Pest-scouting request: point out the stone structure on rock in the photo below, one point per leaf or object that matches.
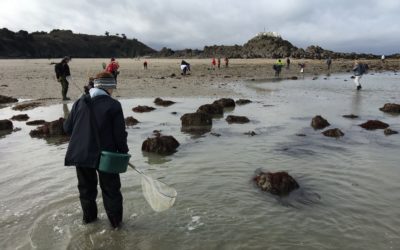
(279, 183)
(196, 122)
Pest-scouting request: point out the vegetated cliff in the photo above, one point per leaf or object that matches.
(59, 43)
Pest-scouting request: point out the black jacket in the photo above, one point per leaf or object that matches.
(62, 69)
(82, 149)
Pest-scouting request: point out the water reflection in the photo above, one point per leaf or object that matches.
(65, 110)
(355, 103)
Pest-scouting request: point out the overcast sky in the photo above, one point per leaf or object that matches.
(371, 26)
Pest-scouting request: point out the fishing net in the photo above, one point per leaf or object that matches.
(159, 195)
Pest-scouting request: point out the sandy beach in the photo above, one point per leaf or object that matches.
(34, 79)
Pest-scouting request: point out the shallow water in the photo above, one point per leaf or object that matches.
(349, 196)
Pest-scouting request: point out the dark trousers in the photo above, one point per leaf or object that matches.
(110, 185)
(64, 87)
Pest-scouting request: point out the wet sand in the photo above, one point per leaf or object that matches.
(34, 79)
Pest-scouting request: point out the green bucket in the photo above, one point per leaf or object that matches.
(114, 163)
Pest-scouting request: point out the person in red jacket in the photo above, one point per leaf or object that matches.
(213, 63)
(113, 67)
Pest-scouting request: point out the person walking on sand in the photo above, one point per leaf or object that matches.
(278, 67)
(113, 67)
(185, 67)
(145, 64)
(383, 58)
(329, 63)
(63, 74)
(288, 63)
(226, 59)
(359, 70)
(302, 66)
(213, 63)
(83, 151)
(219, 62)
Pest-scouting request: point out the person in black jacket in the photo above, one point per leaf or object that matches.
(62, 73)
(83, 151)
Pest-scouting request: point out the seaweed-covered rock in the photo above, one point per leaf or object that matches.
(26, 106)
(6, 125)
(196, 122)
(391, 108)
(389, 131)
(142, 109)
(211, 109)
(7, 99)
(21, 117)
(225, 102)
(49, 129)
(318, 122)
(336, 133)
(242, 101)
(351, 116)
(130, 121)
(374, 124)
(160, 144)
(279, 183)
(237, 119)
(164, 103)
(36, 122)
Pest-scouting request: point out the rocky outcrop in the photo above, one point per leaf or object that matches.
(391, 108)
(336, 133)
(318, 122)
(237, 119)
(279, 183)
(26, 106)
(225, 102)
(196, 122)
(130, 121)
(49, 129)
(164, 103)
(242, 101)
(6, 125)
(389, 131)
(142, 109)
(160, 144)
(36, 122)
(6, 99)
(374, 124)
(21, 117)
(211, 109)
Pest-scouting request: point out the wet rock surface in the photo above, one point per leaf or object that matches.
(250, 133)
(351, 116)
(7, 99)
(225, 102)
(242, 101)
(279, 183)
(26, 106)
(49, 129)
(164, 103)
(318, 122)
(142, 109)
(374, 124)
(237, 119)
(391, 108)
(130, 121)
(211, 109)
(389, 131)
(36, 122)
(6, 125)
(196, 122)
(21, 117)
(160, 144)
(336, 133)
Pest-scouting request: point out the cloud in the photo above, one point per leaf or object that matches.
(340, 25)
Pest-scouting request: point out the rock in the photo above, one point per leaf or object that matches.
(142, 109)
(215, 134)
(374, 124)
(36, 122)
(301, 135)
(26, 106)
(21, 117)
(160, 144)
(388, 131)
(161, 102)
(391, 108)
(7, 99)
(293, 78)
(279, 183)
(174, 113)
(130, 121)
(336, 133)
(314, 78)
(225, 102)
(242, 101)
(196, 122)
(172, 75)
(250, 133)
(237, 119)
(49, 129)
(318, 122)
(351, 116)
(211, 109)
(6, 125)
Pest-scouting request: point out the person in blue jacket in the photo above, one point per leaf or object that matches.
(83, 151)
